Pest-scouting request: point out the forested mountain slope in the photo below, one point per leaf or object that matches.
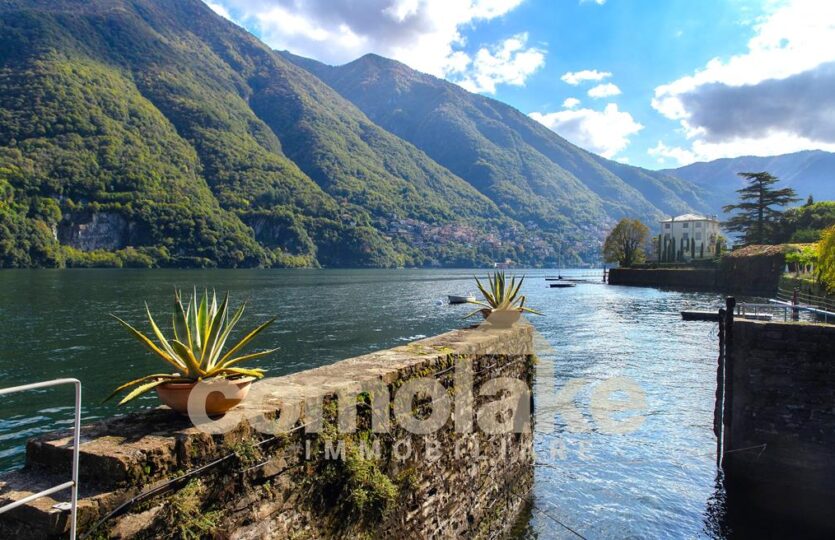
(154, 132)
(528, 170)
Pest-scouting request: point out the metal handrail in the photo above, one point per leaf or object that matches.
(801, 307)
(73, 483)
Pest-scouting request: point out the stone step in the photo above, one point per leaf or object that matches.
(118, 452)
(49, 517)
(132, 450)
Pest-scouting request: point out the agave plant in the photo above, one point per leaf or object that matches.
(502, 296)
(196, 351)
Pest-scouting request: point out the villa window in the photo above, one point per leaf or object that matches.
(685, 225)
(699, 225)
(666, 225)
(698, 236)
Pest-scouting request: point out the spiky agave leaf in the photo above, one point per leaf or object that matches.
(215, 327)
(231, 362)
(167, 376)
(182, 332)
(241, 372)
(138, 391)
(243, 342)
(224, 335)
(142, 338)
(201, 314)
(488, 295)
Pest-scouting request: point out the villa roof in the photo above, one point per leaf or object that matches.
(688, 217)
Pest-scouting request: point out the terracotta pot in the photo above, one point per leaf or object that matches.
(502, 318)
(176, 395)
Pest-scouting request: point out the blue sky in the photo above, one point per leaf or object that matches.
(655, 83)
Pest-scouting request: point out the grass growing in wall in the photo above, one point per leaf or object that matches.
(356, 485)
(185, 516)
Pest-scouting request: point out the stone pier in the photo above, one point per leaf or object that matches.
(779, 418)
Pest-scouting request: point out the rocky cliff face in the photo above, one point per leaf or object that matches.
(89, 232)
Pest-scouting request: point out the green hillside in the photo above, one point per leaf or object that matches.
(166, 135)
(156, 133)
(528, 170)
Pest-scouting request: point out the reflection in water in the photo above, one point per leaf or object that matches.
(658, 481)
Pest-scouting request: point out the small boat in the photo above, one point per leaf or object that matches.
(456, 299)
(562, 285)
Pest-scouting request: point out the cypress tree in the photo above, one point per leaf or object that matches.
(692, 248)
(702, 250)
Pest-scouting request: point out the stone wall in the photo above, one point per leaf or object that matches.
(779, 442)
(753, 270)
(154, 474)
(703, 279)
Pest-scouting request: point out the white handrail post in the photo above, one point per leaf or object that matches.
(76, 447)
(76, 450)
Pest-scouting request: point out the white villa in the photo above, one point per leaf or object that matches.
(687, 227)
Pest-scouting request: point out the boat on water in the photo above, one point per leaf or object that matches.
(562, 285)
(456, 299)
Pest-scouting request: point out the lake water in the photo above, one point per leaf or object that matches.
(659, 481)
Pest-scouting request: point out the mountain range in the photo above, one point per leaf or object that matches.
(810, 172)
(155, 132)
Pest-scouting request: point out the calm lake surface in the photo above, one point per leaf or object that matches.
(659, 481)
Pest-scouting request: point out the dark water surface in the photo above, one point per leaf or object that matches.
(659, 481)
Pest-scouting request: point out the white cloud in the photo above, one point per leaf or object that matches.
(576, 77)
(604, 132)
(598, 2)
(508, 63)
(220, 10)
(570, 103)
(424, 34)
(776, 97)
(664, 154)
(604, 90)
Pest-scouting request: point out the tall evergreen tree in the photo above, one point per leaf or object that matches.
(756, 212)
